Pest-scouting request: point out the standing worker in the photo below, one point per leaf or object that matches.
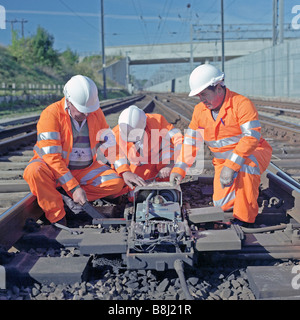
(232, 132)
(70, 135)
(146, 145)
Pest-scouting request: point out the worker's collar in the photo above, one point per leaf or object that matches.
(75, 122)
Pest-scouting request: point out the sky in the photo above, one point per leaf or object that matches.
(77, 23)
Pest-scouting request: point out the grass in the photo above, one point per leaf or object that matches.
(17, 74)
(21, 107)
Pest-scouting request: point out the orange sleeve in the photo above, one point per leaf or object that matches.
(121, 163)
(192, 142)
(247, 117)
(49, 148)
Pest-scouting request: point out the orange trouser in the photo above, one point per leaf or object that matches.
(97, 181)
(243, 193)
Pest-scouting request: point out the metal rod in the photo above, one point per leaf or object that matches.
(103, 51)
(178, 266)
(222, 32)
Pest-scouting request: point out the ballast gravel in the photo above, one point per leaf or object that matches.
(210, 280)
(204, 284)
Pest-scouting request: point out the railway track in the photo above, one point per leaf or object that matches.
(107, 278)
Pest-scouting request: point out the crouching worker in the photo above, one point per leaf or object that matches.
(232, 132)
(65, 154)
(146, 145)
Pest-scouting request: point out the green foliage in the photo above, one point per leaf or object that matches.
(13, 71)
(37, 49)
(34, 60)
(69, 58)
(42, 48)
(21, 49)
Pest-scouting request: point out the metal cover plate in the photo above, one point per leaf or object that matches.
(273, 282)
(205, 214)
(103, 243)
(216, 240)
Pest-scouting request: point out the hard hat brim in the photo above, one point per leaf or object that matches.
(197, 91)
(84, 109)
(213, 82)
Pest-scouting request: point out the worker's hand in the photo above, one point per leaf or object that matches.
(132, 179)
(227, 176)
(175, 178)
(164, 172)
(79, 196)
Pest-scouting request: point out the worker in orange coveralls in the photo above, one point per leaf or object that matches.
(146, 144)
(71, 134)
(232, 132)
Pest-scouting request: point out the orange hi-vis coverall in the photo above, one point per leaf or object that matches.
(235, 140)
(48, 169)
(161, 142)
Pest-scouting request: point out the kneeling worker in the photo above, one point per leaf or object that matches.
(146, 145)
(66, 150)
(232, 132)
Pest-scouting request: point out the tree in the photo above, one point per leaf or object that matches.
(69, 57)
(37, 49)
(42, 48)
(20, 49)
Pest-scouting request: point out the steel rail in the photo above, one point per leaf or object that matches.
(13, 219)
(8, 216)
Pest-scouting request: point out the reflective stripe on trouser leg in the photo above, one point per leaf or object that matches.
(242, 195)
(246, 206)
(99, 181)
(43, 185)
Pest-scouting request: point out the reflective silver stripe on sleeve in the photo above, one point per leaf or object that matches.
(120, 162)
(250, 125)
(224, 142)
(252, 133)
(237, 159)
(172, 132)
(250, 170)
(65, 178)
(222, 155)
(191, 132)
(102, 179)
(189, 141)
(47, 150)
(48, 136)
(247, 129)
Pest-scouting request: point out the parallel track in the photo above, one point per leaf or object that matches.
(280, 193)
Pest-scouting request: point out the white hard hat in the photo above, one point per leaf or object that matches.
(82, 92)
(132, 119)
(204, 76)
